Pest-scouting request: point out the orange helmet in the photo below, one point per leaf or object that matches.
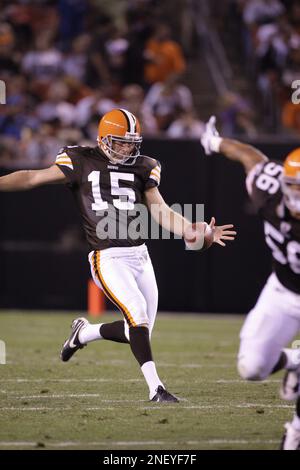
(119, 126)
(291, 181)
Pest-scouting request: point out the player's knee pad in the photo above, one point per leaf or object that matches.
(252, 368)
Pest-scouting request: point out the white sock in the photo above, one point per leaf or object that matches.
(151, 377)
(292, 358)
(296, 423)
(90, 333)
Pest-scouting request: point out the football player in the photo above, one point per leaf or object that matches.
(109, 181)
(274, 188)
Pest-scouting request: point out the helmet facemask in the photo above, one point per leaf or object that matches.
(107, 146)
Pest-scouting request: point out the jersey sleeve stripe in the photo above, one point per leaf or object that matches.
(68, 164)
(64, 160)
(63, 155)
(155, 178)
(157, 168)
(155, 173)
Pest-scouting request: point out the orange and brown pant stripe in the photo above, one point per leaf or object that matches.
(107, 290)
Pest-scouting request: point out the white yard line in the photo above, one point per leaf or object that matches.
(102, 380)
(153, 407)
(76, 395)
(19, 380)
(221, 407)
(195, 365)
(67, 395)
(112, 363)
(235, 381)
(33, 408)
(135, 443)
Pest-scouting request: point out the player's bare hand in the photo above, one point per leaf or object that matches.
(222, 232)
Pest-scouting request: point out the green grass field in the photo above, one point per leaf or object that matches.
(99, 399)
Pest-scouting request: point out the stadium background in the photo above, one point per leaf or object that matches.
(42, 230)
(65, 63)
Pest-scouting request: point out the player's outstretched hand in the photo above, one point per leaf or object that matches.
(222, 232)
(210, 136)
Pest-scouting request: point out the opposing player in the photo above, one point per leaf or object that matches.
(109, 182)
(272, 324)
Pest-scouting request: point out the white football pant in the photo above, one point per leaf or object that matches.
(269, 327)
(127, 278)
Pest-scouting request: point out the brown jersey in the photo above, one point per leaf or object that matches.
(108, 194)
(282, 231)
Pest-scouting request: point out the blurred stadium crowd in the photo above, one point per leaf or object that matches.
(269, 48)
(67, 62)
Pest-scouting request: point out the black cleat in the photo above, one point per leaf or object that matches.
(72, 344)
(163, 395)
